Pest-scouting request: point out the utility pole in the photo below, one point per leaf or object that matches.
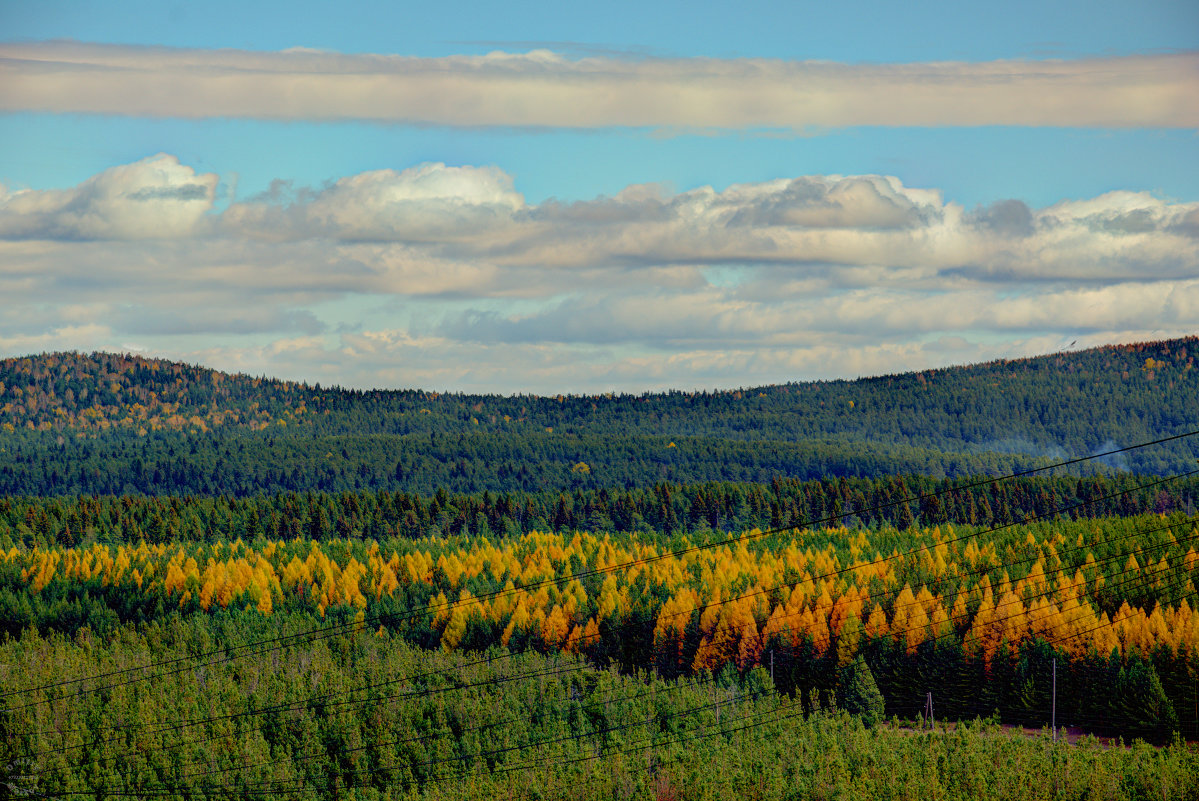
(928, 710)
(649, 715)
(772, 666)
(1054, 713)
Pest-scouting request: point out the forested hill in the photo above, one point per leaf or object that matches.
(106, 423)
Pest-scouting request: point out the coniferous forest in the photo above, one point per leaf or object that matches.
(221, 586)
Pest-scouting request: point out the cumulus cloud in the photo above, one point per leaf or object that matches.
(1006, 218)
(830, 202)
(445, 277)
(154, 198)
(543, 89)
(431, 202)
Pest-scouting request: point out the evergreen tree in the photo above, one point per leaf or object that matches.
(858, 694)
(1141, 702)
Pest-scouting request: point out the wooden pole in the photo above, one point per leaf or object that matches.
(1054, 713)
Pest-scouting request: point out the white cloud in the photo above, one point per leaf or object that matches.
(431, 202)
(543, 89)
(154, 198)
(83, 337)
(444, 277)
(395, 358)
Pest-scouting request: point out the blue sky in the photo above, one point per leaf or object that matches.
(638, 195)
(847, 31)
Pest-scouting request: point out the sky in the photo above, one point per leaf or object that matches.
(581, 198)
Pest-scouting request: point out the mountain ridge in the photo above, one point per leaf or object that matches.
(125, 364)
(102, 422)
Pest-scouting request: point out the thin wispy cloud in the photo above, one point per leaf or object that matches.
(542, 88)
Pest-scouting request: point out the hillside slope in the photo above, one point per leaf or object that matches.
(108, 423)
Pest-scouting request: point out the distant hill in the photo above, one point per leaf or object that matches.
(105, 423)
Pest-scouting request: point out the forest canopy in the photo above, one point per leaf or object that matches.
(114, 424)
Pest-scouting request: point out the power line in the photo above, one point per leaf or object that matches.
(177, 726)
(321, 633)
(891, 633)
(554, 671)
(840, 571)
(185, 724)
(1096, 500)
(281, 785)
(607, 698)
(554, 765)
(559, 764)
(1109, 623)
(1122, 555)
(716, 705)
(652, 742)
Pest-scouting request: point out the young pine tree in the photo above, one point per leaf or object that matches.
(858, 694)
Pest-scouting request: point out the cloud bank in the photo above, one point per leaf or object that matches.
(544, 89)
(445, 277)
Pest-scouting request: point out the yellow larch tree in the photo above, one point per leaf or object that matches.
(876, 624)
(555, 627)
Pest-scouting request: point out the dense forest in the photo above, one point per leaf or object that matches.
(111, 424)
(369, 717)
(666, 508)
(220, 586)
(977, 614)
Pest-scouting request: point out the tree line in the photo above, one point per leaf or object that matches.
(111, 424)
(669, 508)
